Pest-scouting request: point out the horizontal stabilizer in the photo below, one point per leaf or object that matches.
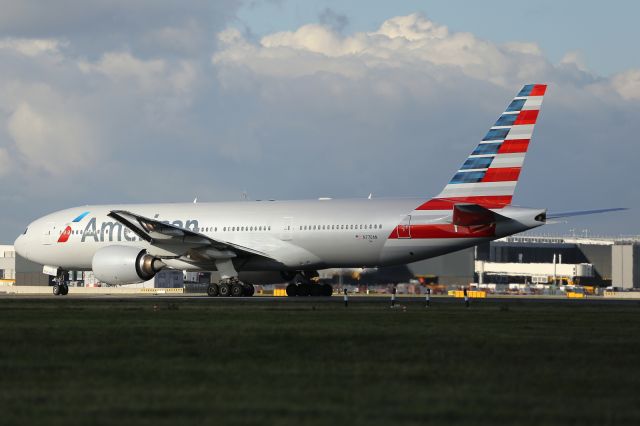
(583, 212)
(474, 215)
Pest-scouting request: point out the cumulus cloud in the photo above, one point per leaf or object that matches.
(155, 75)
(627, 84)
(402, 42)
(576, 59)
(31, 47)
(53, 140)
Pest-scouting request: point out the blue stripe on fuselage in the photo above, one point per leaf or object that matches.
(79, 218)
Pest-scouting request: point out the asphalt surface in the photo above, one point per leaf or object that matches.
(338, 299)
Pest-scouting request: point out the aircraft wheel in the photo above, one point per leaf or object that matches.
(64, 290)
(249, 290)
(292, 290)
(304, 290)
(213, 290)
(237, 290)
(57, 289)
(225, 290)
(315, 289)
(327, 290)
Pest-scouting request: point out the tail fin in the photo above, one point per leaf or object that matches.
(490, 174)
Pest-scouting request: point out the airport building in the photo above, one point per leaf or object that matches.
(7, 264)
(534, 260)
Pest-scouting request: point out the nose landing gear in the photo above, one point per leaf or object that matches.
(60, 287)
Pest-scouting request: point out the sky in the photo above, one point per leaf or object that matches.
(114, 101)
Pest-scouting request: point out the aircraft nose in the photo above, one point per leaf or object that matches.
(20, 246)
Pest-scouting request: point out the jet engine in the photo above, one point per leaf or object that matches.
(124, 265)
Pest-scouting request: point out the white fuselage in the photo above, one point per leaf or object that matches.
(295, 235)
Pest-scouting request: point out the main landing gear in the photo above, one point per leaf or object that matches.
(230, 287)
(304, 284)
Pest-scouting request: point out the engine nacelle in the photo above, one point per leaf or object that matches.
(124, 265)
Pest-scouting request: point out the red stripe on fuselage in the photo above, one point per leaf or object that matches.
(527, 117)
(447, 231)
(502, 174)
(512, 146)
(488, 201)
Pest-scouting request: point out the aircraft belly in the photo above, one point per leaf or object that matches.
(354, 250)
(399, 251)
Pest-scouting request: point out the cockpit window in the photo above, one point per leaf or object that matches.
(25, 231)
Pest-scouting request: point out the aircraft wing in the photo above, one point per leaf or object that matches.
(583, 212)
(181, 240)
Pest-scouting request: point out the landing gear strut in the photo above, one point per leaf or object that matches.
(304, 284)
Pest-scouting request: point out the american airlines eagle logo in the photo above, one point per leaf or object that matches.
(64, 237)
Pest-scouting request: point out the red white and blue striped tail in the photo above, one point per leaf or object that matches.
(490, 174)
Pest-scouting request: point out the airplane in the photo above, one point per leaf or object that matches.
(127, 244)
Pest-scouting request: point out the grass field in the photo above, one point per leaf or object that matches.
(158, 362)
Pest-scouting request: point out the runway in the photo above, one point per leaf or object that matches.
(336, 299)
